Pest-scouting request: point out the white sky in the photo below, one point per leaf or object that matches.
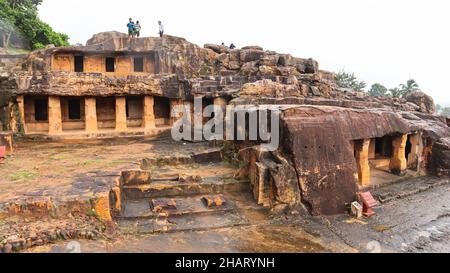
(386, 41)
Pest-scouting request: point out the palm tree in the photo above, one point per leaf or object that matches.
(396, 92)
(410, 86)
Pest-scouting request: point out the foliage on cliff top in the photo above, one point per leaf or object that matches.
(19, 20)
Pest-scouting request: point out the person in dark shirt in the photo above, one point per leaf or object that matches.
(232, 46)
(130, 27)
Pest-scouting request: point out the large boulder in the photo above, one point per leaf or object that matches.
(425, 102)
(250, 55)
(217, 48)
(253, 47)
(304, 66)
(441, 158)
(105, 36)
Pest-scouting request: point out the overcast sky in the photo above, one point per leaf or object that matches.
(386, 41)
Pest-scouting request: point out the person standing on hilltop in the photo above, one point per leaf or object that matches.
(130, 27)
(161, 29)
(137, 29)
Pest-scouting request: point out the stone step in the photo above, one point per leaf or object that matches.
(143, 208)
(212, 155)
(187, 222)
(176, 188)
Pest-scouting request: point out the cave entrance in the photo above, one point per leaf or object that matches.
(135, 110)
(408, 147)
(41, 109)
(72, 112)
(162, 111)
(383, 147)
(106, 112)
(36, 114)
(380, 152)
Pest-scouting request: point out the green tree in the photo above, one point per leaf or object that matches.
(410, 86)
(349, 80)
(20, 17)
(378, 90)
(395, 92)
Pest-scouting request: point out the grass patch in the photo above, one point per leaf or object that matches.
(90, 162)
(58, 157)
(22, 176)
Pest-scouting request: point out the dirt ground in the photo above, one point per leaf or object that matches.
(77, 168)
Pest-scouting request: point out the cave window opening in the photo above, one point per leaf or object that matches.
(138, 64)
(79, 63)
(74, 109)
(41, 110)
(110, 64)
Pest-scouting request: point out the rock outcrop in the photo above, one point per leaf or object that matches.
(441, 157)
(425, 102)
(105, 36)
(315, 164)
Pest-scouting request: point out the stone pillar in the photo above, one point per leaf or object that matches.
(148, 119)
(173, 104)
(90, 110)
(398, 163)
(372, 148)
(21, 107)
(54, 115)
(414, 155)
(362, 161)
(121, 114)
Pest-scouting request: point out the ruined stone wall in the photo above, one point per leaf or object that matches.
(9, 64)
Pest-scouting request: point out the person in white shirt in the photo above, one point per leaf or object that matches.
(161, 29)
(137, 29)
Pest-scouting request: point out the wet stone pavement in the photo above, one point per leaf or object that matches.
(414, 217)
(270, 238)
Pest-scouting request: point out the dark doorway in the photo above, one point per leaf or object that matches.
(79, 63)
(138, 64)
(106, 112)
(110, 64)
(408, 147)
(162, 110)
(41, 109)
(74, 109)
(383, 147)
